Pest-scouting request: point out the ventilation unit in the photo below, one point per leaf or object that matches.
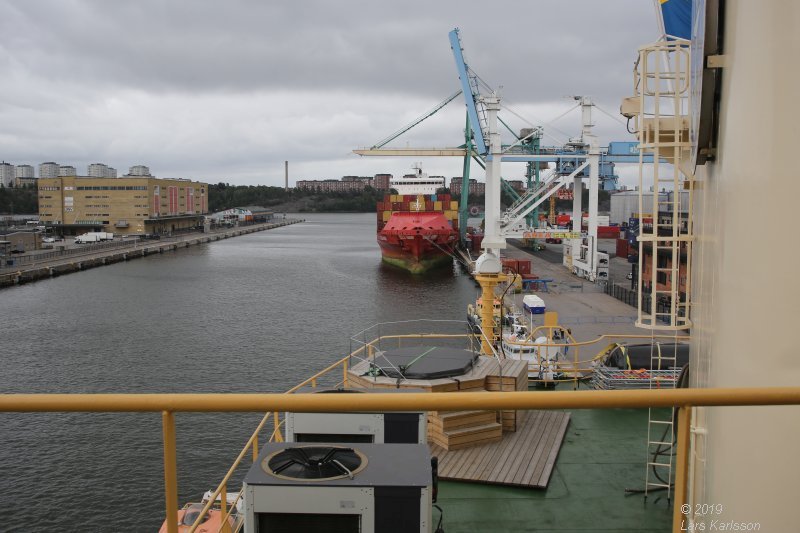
(378, 428)
(370, 488)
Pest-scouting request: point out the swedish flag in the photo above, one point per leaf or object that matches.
(676, 18)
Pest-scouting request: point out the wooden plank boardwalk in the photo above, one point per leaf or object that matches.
(523, 458)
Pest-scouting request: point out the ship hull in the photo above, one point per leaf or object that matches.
(414, 256)
(417, 241)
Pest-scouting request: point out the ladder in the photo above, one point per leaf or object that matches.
(664, 373)
(662, 93)
(665, 235)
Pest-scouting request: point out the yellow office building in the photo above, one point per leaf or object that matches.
(134, 205)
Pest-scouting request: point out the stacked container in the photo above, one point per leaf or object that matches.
(440, 203)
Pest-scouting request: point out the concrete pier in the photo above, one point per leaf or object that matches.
(41, 266)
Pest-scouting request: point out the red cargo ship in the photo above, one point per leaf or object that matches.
(417, 241)
(417, 232)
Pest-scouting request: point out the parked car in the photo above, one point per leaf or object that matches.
(49, 239)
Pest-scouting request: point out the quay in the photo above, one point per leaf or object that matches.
(592, 309)
(35, 266)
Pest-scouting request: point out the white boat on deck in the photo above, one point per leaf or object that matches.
(542, 359)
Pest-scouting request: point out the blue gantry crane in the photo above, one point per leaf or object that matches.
(570, 161)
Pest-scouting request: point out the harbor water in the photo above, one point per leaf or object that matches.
(256, 313)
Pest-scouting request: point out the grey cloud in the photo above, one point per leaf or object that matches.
(226, 88)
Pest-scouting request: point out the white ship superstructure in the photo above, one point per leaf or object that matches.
(418, 183)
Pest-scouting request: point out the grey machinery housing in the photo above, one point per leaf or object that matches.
(397, 427)
(363, 488)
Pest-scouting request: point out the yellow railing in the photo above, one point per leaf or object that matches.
(252, 444)
(577, 365)
(169, 404)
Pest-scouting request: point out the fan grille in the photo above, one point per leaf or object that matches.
(314, 463)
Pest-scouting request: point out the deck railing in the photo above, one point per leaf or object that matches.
(169, 404)
(274, 404)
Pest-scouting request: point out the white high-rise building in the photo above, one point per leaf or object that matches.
(48, 170)
(97, 170)
(111, 172)
(66, 171)
(8, 174)
(25, 171)
(25, 175)
(139, 170)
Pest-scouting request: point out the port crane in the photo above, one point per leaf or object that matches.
(573, 163)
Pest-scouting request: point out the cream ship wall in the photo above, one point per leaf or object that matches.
(746, 273)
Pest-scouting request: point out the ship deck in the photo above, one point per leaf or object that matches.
(603, 454)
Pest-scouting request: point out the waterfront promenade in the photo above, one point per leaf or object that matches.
(42, 264)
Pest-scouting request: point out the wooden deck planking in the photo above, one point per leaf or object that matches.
(499, 468)
(529, 451)
(526, 471)
(540, 464)
(471, 454)
(551, 459)
(523, 458)
(484, 370)
(532, 451)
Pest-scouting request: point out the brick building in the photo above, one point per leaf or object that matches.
(128, 205)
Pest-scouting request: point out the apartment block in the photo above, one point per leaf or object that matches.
(48, 170)
(8, 174)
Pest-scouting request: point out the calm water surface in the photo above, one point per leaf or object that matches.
(256, 313)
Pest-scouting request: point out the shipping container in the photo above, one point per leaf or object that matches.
(524, 266)
(437, 206)
(607, 232)
(454, 205)
(387, 215)
(622, 248)
(477, 240)
(509, 264)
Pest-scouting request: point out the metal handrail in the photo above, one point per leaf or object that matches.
(169, 404)
(252, 442)
(412, 401)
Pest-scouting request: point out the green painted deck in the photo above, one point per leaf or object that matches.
(602, 455)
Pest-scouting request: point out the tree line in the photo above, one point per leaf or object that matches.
(224, 196)
(23, 200)
(19, 200)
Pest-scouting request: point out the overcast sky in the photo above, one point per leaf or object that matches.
(226, 91)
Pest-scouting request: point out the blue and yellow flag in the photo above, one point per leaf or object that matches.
(676, 18)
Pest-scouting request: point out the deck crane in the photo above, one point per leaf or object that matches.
(482, 110)
(580, 158)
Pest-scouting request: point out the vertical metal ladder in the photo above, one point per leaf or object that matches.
(662, 89)
(661, 422)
